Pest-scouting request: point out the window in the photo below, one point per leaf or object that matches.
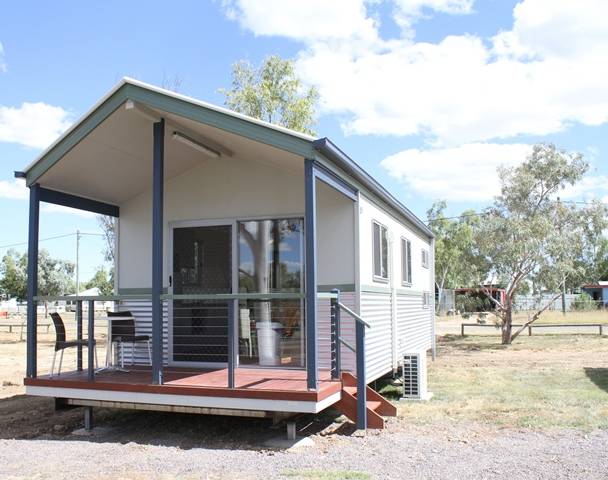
(406, 261)
(380, 247)
(425, 258)
(271, 260)
(425, 299)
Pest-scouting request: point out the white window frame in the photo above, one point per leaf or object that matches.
(380, 278)
(425, 258)
(426, 299)
(406, 262)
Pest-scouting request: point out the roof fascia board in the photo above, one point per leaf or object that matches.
(81, 129)
(126, 90)
(330, 153)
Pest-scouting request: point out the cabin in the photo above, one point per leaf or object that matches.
(265, 271)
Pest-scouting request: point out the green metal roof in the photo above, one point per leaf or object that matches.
(224, 119)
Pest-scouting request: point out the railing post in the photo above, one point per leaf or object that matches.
(336, 367)
(231, 340)
(91, 341)
(79, 334)
(361, 381)
(32, 281)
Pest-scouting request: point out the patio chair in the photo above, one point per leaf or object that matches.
(61, 343)
(123, 331)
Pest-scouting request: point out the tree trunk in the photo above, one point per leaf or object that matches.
(507, 325)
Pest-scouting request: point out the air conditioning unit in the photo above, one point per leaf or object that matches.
(414, 376)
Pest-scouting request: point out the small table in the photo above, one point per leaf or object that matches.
(110, 367)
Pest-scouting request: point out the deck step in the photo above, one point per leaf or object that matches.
(377, 405)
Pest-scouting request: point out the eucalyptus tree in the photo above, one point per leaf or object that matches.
(457, 260)
(528, 233)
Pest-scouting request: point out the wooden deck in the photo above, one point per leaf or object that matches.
(250, 383)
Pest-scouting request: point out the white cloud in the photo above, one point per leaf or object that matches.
(52, 208)
(310, 20)
(408, 11)
(15, 190)
(545, 73)
(464, 173)
(34, 125)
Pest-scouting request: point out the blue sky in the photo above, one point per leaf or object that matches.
(428, 95)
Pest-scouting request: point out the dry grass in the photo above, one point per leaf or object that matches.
(594, 316)
(539, 382)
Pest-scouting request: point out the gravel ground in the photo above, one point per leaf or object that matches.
(139, 445)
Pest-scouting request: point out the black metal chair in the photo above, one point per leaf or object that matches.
(61, 342)
(123, 331)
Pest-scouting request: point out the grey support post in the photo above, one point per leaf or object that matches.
(361, 378)
(90, 342)
(157, 251)
(32, 281)
(231, 342)
(310, 233)
(88, 418)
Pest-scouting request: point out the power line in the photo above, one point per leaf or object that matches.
(480, 214)
(65, 235)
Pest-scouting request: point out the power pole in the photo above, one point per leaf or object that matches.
(77, 262)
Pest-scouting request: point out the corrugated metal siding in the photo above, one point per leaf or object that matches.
(376, 310)
(142, 311)
(413, 324)
(347, 332)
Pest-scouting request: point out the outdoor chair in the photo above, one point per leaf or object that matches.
(123, 331)
(61, 343)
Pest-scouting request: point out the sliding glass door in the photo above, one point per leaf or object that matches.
(270, 260)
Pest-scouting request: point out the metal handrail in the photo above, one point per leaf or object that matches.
(354, 315)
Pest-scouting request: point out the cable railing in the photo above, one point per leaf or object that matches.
(233, 303)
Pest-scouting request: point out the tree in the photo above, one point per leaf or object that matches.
(108, 227)
(272, 93)
(457, 261)
(101, 280)
(55, 276)
(13, 278)
(528, 234)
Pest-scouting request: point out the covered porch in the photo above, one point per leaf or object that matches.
(160, 162)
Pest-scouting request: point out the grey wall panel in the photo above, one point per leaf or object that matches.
(413, 324)
(376, 310)
(142, 311)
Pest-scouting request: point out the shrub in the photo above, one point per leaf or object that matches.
(583, 303)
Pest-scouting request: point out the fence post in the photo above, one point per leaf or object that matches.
(529, 330)
(601, 330)
(361, 381)
(336, 367)
(462, 329)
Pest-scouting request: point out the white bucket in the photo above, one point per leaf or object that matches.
(269, 341)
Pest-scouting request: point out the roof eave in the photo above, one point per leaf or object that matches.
(330, 150)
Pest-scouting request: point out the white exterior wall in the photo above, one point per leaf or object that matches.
(234, 188)
(395, 311)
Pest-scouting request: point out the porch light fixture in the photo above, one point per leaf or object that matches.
(180, 137)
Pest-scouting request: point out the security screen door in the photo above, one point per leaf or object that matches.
(202, 264)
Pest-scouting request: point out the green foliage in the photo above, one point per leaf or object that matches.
(102, 280)
(54, 275)
(457, 261)
(528, 234)
(108, 227)
(13, 275)
(584, 303)
(272, 93)
(472, 303)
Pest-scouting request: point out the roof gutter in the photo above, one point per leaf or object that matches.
(333, 153)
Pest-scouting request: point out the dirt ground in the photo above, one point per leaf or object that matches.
(456, 435)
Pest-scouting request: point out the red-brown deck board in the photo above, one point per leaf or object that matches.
(271, 384)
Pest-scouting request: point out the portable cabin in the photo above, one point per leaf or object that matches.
(272, 274)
